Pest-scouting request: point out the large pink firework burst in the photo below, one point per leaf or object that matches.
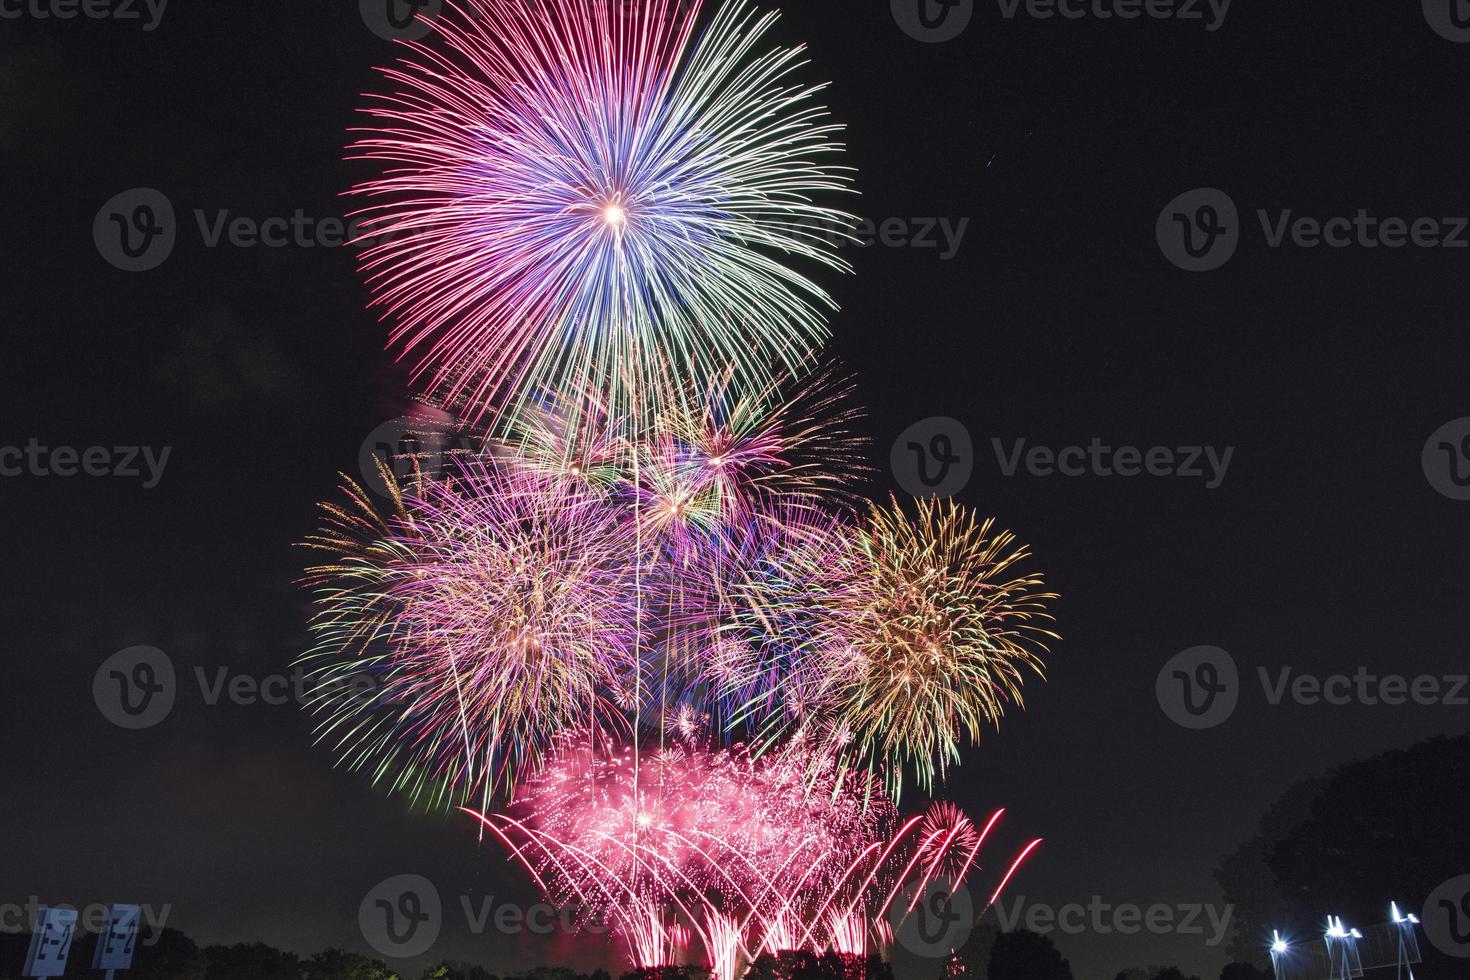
(742, 856)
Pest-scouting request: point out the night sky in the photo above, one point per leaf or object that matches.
(1057, 321)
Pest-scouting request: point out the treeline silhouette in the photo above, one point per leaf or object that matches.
(1018, 955)
(1391, 827)
(174, 956)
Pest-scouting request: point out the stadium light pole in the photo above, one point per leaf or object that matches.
(1279, 950)
(1408, 941)
(1342, 950)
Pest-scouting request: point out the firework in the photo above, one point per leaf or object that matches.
(710, 462)
(489, 611)
(770, 620)
(717, 483)
(647, 640)
(915, 637)
(433, 593)
(571, 439)
(950, 840)
(699, 490)
(610, 802)
(746, 856)
(717, 460)
(593, 190)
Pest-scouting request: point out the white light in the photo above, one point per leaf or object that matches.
(1413, 918)
(1393, 907)
(615, 214)
(1278, 945)
(1335, 929)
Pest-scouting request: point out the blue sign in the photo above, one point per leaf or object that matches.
(51, 943)
(117, 942)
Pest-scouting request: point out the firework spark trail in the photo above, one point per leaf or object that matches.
(725, 946)
(1011, 872)
(849, 934)
(579, 188)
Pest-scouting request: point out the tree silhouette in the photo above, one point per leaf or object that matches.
(670, 973)
(251, 961)
(1023, 955)
(335, 964)
(1248, 881)
(1390, 827)
(1246, 971)
(452, 970)
(171, 956)
(809, 966)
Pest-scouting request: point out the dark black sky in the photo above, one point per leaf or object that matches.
(1059, 320)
